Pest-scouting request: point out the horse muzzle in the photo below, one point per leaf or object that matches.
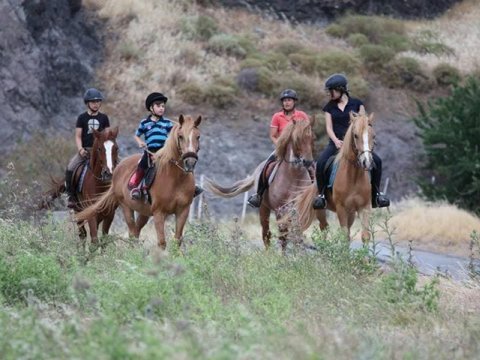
(189, 161)
(106, 176)
(307, 163)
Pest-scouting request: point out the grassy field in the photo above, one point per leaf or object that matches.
(221, 298)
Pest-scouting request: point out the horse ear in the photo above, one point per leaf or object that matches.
(198, 121)
(371, 120)
(353, 116)
(181, 120)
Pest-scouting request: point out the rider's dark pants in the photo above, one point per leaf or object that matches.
(331, 149)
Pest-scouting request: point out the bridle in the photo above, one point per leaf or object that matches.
(183, 157)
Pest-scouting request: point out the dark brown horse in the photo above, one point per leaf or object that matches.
(294, 157)
(171, 191)
(96, 180)
(351, 193)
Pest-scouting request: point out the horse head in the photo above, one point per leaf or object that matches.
(362, 138)
(104, 156)
(295, 145)
(188, 141)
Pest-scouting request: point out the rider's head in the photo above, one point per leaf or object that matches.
(155, 103)
(288, 97)
(93, 99)
(336, 85)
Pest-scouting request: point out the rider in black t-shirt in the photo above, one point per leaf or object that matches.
(88, 121)
(337, 120)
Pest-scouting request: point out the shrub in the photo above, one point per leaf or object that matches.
(396, 42)
(305, 63)
(226, 44)
(450, 132)
(128, 51)
(336, 61)
(358, 87)
(446, 74)
(373, 27)
(287, 47)
(404, 71)
(252, 62)
(199, 28)
(259, 79)
(376, 56)
(276, 62)
(426, 42)
(220, 95)
(357, 39)
(308, 89)
(191, 93)
(336, 30)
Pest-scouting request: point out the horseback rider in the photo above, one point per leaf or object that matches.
(90, 120)
(337, 119)
(280, 120)
(155, 129)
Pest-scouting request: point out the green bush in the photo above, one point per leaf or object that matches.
(406, 72)
(287, 47)
(220, 95)
(336, 61)
(309, 90)
(305, 63)
(336, 30)
(26, 277)
(358, 87)
(446, 74)
(450, 131)
(426, 42)
(191, 92)
(375, 57)
(396, 42)
(199, 28)
(357, 39)
(129, 51)
(226, 44)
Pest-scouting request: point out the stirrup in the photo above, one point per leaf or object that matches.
(380, 200)
(320, 202)
(198, 191)
(136, 194)
(255, 200)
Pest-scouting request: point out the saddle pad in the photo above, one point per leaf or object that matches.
(83, 171)
(272, 174)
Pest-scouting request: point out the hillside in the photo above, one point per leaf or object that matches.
(204, 62)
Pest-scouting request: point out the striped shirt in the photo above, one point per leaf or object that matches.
(155, 132)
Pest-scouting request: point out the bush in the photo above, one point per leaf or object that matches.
(220, 95)
(335, 62)
(259, 79)
(375, 57)
(450, 131)
(406, 72)
(358, 87)
(308, 89)
(287, 47)
(336, 30)
(305, 63)
(396, 42)
(199, 28)
(446, 74)
(191, 93)
(426, 42)
(226, 44)
(357, 39)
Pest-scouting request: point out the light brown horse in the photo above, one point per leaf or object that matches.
(171, 192)
(294, 156)
(351, 193)
(97, 177)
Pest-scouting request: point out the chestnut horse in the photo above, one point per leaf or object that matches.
(171, 191)
(96, 180)
(294, 157)
(351, 192)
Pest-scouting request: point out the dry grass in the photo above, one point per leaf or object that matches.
(459, 29)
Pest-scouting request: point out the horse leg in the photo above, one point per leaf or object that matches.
(180, 220)
(365, 219)
(264, 214)
(93, 226)
(283, 229)
(140, 223)
(130, 220)
(159, 220)
(343, 219)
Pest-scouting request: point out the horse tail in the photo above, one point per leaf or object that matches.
(105, 203)
(236, 188)
(57, 188)
(303, 203)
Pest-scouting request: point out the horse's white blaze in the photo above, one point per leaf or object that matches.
(292, 156)
(108, 149)
(190, 143)
(366, 149)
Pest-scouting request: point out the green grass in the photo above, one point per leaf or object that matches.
(222, 298)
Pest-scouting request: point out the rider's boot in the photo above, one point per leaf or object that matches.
(133, 184)
(198, 191)
(379, 199)
(320, 202)
(255, 200)
(72, 199)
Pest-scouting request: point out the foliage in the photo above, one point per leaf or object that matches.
(406, 72)
(232, 45)
(450, 129)
(309, 89)
(446, 74)
(376, 57)
(426, 42)
(201, 27)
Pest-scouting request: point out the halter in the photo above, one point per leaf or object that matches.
(358, 154)
(183, 156)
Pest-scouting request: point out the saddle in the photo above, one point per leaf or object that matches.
(146, 183)
(269, 171)
(330, 171)
(78, 177)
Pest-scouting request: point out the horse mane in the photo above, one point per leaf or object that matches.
(345, 151)
(170, 149)
(293, 133)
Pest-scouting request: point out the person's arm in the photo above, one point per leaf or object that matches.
(274, 134)
(140, 142)
(331, 134)
(78, 141)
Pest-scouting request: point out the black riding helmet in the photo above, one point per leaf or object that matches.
(155, 96)
(92, 94)
(337, 82)
(288, 94)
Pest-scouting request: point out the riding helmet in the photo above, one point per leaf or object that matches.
(336, 82)
(288, 94)
(155, 96)
(92, 94)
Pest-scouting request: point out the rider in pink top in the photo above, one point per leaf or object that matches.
(280, 121)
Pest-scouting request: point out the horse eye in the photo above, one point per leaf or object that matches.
(198, 137)
(356, 136)
(180, 137)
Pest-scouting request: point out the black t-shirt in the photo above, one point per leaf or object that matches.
(88, 123)
(341, 119)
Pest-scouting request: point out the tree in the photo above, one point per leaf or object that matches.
(450, 129)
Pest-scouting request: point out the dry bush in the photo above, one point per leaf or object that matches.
(357, 39)
(199, 27)
(446, 74)
(191, 93)
(358, 87)
(375, 57)
(305, 63)
(260, 79)
(406, 72)
(287, 47)
(309, 89)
